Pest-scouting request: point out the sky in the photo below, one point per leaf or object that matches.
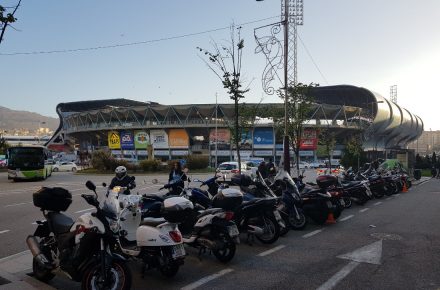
(373, 44)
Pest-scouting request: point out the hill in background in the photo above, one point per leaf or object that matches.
(14, 121)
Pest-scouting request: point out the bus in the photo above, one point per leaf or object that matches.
(29, 162)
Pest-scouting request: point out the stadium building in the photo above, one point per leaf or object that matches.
(131, 128)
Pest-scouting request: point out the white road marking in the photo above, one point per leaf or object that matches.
(5, 231)
(273, 250)
(311, 234)
(370, 254)
(388, 198)
(346, 218)
(206, 279)
(364, 210)
(17, 204)
(84, 210)
(377, 203)
(336, 278)
(396, 195)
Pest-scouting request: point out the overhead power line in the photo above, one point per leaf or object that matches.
(131, 43)
(311, 58)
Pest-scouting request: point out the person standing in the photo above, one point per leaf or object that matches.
(177, 179)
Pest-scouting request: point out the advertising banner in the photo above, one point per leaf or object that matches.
(263, 138)
(178, 138)
(159, 139)
(246, 139)
(114, 142)
(309, 140)
(127, 140)
(223, 136)
(141, 140)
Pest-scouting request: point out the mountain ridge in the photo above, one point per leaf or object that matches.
(15, 120)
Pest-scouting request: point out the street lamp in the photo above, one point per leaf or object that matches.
(293, 15)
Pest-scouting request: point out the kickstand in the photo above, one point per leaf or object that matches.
(200, 254)
(143, 269)
(250, 239)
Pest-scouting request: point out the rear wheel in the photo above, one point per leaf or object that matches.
(55, 169)
(271, 229)
(227, 252)
(41, 273)
(73, 169)
(169, 270)
(118, 277)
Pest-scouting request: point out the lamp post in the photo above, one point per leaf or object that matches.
(292, 12)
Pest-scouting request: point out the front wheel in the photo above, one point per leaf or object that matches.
(118, 277)
(55, 169)
(297, 223)
(41, 273)
(271, 229)
(227, 252)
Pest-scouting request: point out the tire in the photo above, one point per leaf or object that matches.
(284, 230)
(408, 183)
(42, 274)
(225, 254)
(378, 194)
(271, 229)
(390, 188)
(170, 270)
(118, 273)
(55, 169)
(348, 202)
(298, 224)
(337, 211)
(73, 169)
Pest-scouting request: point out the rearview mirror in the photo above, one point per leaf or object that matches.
(104, 184)
(90, 185)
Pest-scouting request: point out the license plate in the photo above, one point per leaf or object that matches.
(178, 251)
(329, 204)
(233, 231)
(342, 202)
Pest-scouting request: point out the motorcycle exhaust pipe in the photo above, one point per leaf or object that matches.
(207, 243)
(34, 247)
(255, 230)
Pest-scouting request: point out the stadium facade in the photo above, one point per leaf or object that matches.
(130, 128)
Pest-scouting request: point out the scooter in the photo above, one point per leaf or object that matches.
(83, 250)
(156, 241)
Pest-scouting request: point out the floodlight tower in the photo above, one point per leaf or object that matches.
(393, 94)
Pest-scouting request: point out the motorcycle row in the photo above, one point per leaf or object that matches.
(153, 228)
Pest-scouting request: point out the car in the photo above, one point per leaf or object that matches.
(65, 166)
(228, 169)
(303, 165)
(3, 162)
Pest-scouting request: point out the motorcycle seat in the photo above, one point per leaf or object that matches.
(59, 222)
(351, 184)
(209, 211)
(154, 197)
(152, 222)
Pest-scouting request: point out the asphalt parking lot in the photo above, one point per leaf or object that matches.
(400, 231)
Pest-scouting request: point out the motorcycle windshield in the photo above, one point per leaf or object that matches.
(284, 176)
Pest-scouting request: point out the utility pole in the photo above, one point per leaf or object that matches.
(216, 133)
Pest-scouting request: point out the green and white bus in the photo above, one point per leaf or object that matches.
(29, 162)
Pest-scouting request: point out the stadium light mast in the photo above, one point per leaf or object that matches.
(292, 15)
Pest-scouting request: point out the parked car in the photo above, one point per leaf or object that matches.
(65, 166)
(228, 169)
(303, 165)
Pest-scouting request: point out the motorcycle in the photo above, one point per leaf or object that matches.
(290, 207)
(157, 242)
(207, 229)
(83, 249)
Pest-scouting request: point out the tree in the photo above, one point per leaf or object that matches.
(354, 154)
(225, 61)
(299, 105)
(6, 19)
(328, 140)
(3, 145)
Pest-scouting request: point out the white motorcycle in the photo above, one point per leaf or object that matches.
(156, 241)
